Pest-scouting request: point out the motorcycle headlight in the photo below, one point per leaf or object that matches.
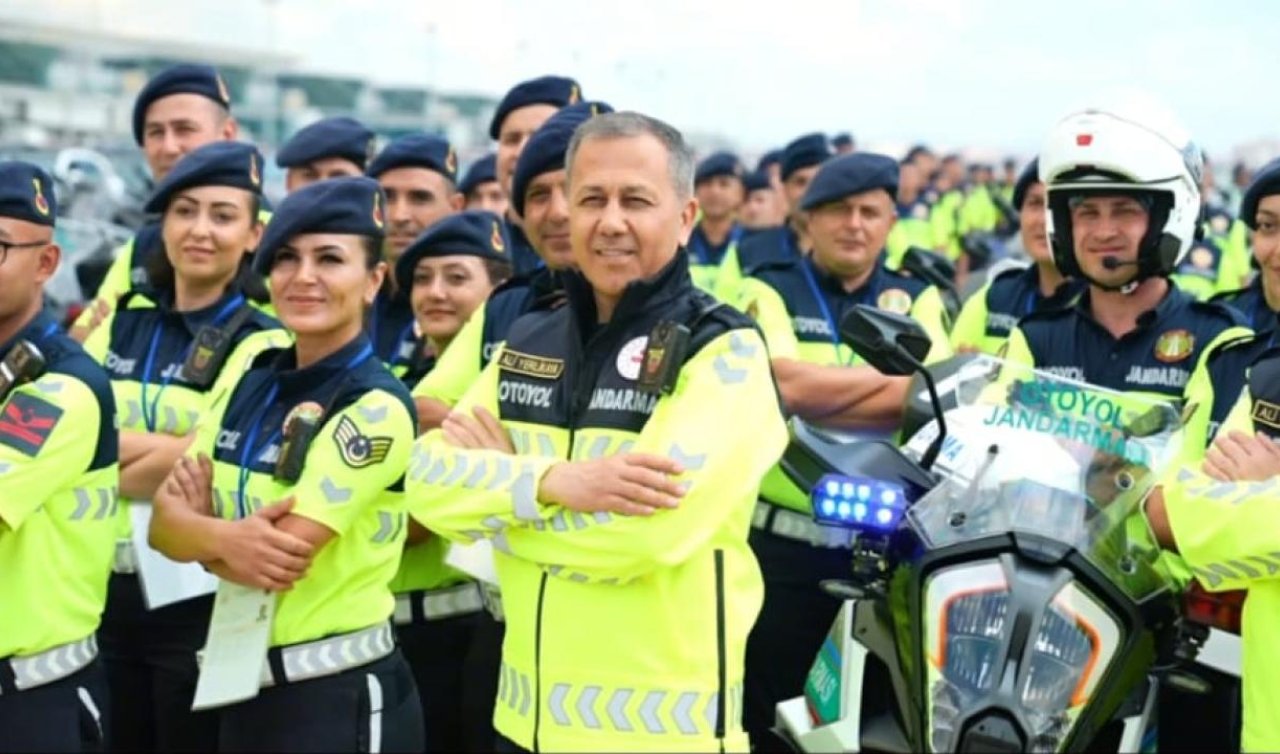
(966, 611)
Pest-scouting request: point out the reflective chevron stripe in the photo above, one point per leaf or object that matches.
(102, 501)
(656, 712)
(437, 604)
(46, 667)
(336, 654)
(514, 690)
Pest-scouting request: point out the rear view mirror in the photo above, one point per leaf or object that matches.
(894, 344)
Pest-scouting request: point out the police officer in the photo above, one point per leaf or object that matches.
(758, 206)
(770, 163)
(520, 113)
(293, 485)
(619, 522)
(329, 148)
(718, 187)
(480, 187)
(1260, 209)
(842, 143)
(447, 637)
(58, 477)
(538, 199)
(800, 161)
(164, 349)
(417, 173)
(798, 303)
(1221, 520)
(1123, 233)
(991, 314)
(449, 271)
(180, 108)
(913, 207)
(947, 183)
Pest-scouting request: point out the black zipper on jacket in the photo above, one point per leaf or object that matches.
(722, 703)
(537, 663)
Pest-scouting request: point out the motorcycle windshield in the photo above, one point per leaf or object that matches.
(1028, 451)
(1031, 452)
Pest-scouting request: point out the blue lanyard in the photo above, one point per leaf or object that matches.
(826, 311)
(49, 329)
(151, 410)
(249, 451)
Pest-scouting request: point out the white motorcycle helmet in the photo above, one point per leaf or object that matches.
(1135, 148)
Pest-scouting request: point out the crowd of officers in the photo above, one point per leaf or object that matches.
(579, 353)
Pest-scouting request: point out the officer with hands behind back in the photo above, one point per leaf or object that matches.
(58, 479)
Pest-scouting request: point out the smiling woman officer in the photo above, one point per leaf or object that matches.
(164, 350)
(453, 266)
(451, 269)
(294, 485)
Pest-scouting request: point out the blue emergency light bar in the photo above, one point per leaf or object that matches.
(860, 503)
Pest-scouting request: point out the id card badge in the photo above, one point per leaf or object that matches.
(164, 581)
(236, 650)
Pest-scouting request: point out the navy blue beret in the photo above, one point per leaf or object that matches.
(545, 150)
(203, 80)
(343, 137)
(806, 151)
(483, 170)
(26, 193)
(757, 180)
(1265, 183)
(772, 157)
(545, 90)
(352, 205)
(1029, 176)
(842, 139)
(417, 151)
(218, 163)
(473, 233)
(718, 163)
(851, 174)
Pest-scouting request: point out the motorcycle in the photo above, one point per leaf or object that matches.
(1006, 593)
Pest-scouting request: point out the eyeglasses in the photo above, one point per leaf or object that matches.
(5, 247)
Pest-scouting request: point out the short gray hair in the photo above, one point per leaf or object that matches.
(622, 125)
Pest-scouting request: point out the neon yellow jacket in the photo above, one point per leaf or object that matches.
(1229, 534)
(623, 633)
(58, 504)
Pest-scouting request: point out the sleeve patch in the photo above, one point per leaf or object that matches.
(27, 421)
(358, 450)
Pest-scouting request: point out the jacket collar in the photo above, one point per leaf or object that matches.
(638, 298)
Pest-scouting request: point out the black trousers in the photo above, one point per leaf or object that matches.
(63, 716)
(455, 662)
(373, 708)
(150, 659)
(793, 621)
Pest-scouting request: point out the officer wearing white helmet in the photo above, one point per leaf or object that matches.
(1124, 203)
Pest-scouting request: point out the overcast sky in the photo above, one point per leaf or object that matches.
(987, 73)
